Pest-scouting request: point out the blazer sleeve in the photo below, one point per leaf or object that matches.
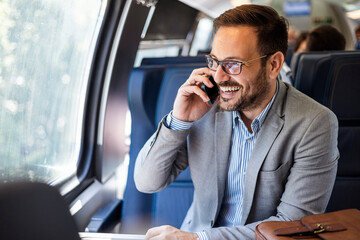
(161, 159)
(310, 182)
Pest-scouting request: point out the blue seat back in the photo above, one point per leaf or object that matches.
(152, 91)
(172, 60)
(333, 79)
(289, 54)
(172, 203)
(142, 94)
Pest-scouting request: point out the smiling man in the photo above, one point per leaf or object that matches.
(264, 151)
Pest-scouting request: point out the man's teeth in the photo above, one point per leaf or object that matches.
(229, 89)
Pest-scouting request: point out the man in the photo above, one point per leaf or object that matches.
(300, 44)
(292, 36)
(357, 36)
(263, 152)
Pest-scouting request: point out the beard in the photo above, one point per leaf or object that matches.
(248, 101)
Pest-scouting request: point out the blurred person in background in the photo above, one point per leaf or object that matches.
(357, 35)
(325, 38)
(300, 43)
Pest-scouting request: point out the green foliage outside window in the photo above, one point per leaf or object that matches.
(46, 48)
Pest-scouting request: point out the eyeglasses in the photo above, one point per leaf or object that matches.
(230, 67)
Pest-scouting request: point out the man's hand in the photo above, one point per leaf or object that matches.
(169, 233)
(191, 102)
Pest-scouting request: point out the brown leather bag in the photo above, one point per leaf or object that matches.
(339, 225)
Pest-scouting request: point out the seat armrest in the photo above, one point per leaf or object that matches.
(106, 217)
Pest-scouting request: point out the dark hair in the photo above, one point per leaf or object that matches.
(302, 37)
(325, 38)
(272, 29)
(357, 29)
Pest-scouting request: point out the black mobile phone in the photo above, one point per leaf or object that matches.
(213, 92)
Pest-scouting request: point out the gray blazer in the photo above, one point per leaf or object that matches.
(290, 173)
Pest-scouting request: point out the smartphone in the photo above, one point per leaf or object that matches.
(213, 92)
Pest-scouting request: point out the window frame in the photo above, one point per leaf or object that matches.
(89, 149)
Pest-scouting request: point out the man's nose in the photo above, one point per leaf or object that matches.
(221, 75)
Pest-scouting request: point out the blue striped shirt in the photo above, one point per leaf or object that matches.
(242, 145)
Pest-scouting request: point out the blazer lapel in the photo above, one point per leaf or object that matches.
(223, 135)
(267, 135)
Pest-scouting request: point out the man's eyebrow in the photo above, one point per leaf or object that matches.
(227, 58)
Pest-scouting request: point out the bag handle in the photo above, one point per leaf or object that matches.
(310, 230)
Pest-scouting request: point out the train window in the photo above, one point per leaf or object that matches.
(203, 37)
(158, 49)
(162, 35)
(46, 48)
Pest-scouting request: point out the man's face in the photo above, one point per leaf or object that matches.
(251, 87)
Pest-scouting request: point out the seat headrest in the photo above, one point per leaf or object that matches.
(34, 211)
(332, 78)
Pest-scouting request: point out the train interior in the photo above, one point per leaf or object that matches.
(122, 66)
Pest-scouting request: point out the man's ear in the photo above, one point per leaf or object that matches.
(275, 64)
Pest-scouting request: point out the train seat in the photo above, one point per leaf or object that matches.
(297, 57)
(152, 90)
(179, 194)
(172, 60)
(142, 95)
(332, 78)
(289, 54)
(34, 211)
(294, 62)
